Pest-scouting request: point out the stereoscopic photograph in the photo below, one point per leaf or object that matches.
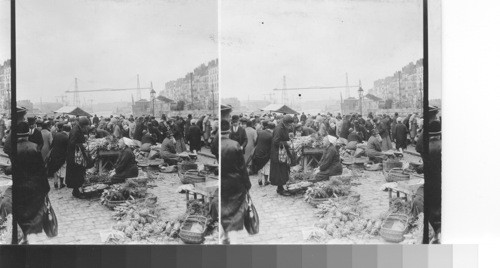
(117, 119)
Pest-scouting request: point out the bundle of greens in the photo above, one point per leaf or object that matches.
(399, 205)
(196, 207)
(128, 191)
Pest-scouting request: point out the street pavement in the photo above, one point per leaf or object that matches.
(287, 220)
(83, 221)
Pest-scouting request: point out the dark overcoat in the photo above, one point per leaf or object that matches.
(235, 185)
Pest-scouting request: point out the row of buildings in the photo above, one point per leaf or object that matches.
(199, 89)
(404, 89)
(5, 71)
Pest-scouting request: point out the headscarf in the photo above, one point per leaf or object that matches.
(331, 139)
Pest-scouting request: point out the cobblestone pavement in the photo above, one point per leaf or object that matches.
(82, 221)
(286, 220)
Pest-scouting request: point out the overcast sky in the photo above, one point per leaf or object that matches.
(315, 43)
(4, 30)
(106, 43)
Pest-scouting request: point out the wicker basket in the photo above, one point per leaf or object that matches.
(191, 237)
(354, 196)
(390, 164)
(415, 176)
(397, 174)
(112, 204)
(191, 177)
(185, 166)
(316, 201)
(394, 227)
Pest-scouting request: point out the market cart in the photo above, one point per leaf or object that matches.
(310, 157)
(105, 158)
(205, 190)
(405, 189)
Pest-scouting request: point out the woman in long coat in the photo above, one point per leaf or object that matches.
(329, 165)
(279, 173)
(75, 173)
(400, 134)
(59, 150)
(251, 140)
(194, 137)
(262, 153)
(235, 184)
(126, 166)
(31, 187)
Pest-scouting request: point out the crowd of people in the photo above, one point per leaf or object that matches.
(55, 147)
(260, 144)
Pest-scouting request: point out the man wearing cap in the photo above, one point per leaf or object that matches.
(31, 186)
(167, 150)
(35, 135)
(237, 133)
(433, 177)
(194, 137)
(279, 172)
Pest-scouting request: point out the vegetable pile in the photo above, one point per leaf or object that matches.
(128, 191)
(343, 219)
(144, 221)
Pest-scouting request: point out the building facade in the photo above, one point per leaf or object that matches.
(5, 86)
(199, 89)
(404, 88)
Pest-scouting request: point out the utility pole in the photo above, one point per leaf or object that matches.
(283, 93)
(348, 93)
(192, 95)
(399, 89)
(76, 101)
(138, 88)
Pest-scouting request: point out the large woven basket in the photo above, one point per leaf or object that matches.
(390, 164)
(191, 237)
(185, 166)
(112, 204)
(394, 227)
(397, 174)
(316, 201)
(191, 177)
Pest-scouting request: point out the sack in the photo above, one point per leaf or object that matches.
(79, 157)
(283, 155)
(251, 218)
(49, 220)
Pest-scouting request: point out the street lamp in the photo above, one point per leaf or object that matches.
(360, 91)
(152, 94)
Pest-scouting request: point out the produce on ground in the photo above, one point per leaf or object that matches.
(120, 192)
(6, 230)
(399, 205)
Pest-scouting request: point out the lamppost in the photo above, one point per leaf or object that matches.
(152, 94)
(360, 91)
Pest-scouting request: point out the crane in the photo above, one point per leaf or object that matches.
(76, 91)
